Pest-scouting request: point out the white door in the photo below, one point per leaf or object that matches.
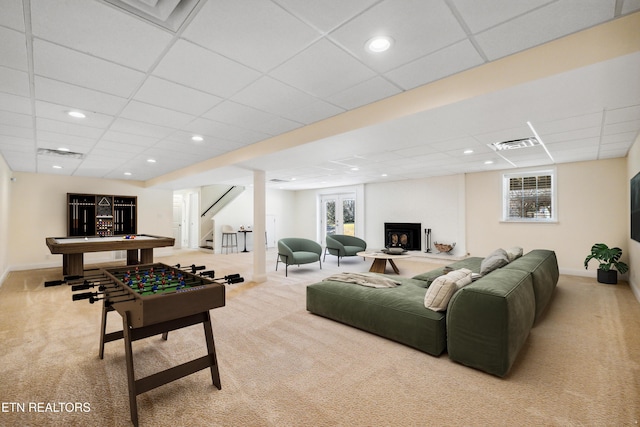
(338, 214)
(194, 221)
(178, 215)
(270, 228)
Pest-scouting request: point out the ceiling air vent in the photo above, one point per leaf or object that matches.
(60, 153)
(169, 14)
(515, 144)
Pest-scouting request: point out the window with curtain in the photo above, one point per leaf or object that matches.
(530, 196)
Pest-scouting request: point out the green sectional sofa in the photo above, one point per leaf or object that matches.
(485, 324)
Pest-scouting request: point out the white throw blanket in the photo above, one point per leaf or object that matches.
(371, 280)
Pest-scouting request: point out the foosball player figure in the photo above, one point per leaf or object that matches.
(154, 288)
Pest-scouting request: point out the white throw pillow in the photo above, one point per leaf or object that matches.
(462, 277)
(439, 293)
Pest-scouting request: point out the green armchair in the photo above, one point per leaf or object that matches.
(342, 245)
(295, 250)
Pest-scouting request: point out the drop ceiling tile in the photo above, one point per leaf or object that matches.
(16, 119)
(201, 69)
(77, 97)
(12, 15)
(260, 34)
(146, 130)
(14, 82)
(16, 131)
(445, 62)
(116, 35)
(224, 131)
(121, 149)
(15, 103)
(364, 93)
(173, 96)
(20, 162)
(274, 97)
(63, 64)
(480, 16)
(17, 145)
(57, 140)
(621, 127)
(67, 128)
(578, 134)
(12, 51)
(243, 116)
(148, 113)
(622, 114)
(315, 111)
(417, 27)
(322, 70)
(542, 25)
(58, 112)
(569, 123)
(620, 137)
(327, 14)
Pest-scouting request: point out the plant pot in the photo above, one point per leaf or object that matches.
(609, 277)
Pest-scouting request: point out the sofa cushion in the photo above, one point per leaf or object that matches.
(489, 321)
(543, 266)
(394, 313)
(493, 261)
(471, 263)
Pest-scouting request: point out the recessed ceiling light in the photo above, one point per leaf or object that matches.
(469, 151)
(355, 169)
(379, 44)
(76, 114)
(197, 138)
(488, 162)
(63, 149)
(127, 173)
(384, 174)
(151, 160)
(57, 167)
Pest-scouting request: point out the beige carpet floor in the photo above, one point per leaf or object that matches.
(282, 366)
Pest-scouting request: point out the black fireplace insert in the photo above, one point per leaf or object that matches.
(404, 235)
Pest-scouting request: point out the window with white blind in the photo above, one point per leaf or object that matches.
(530, 196)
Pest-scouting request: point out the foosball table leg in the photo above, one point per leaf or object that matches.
(133, 404)
(211, 351)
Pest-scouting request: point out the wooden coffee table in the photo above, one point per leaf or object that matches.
(380, 261)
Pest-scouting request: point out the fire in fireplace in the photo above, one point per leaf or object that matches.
(405, 235)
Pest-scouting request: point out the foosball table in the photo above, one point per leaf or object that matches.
(156, 299)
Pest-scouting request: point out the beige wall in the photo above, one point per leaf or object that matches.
(38, 210)
(633, 167)
(5, 192)
(592, 207)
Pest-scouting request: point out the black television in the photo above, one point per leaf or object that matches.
(635, 207)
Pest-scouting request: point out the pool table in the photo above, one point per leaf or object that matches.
(74, 248)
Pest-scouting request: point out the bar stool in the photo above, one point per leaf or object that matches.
(229, 238)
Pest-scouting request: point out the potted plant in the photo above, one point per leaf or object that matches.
(608, 259)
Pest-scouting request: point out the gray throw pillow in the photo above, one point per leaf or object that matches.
(494, 260)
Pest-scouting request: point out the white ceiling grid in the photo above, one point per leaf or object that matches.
(238, 72)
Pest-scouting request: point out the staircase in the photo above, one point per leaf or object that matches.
(214, 198)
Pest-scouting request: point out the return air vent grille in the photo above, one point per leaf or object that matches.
(515, 144)
(170, 14)
(60, 153)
